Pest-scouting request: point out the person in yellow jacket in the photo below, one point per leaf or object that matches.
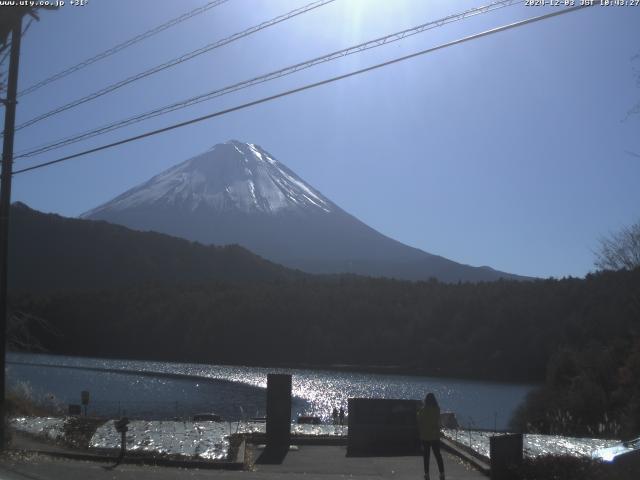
(429, 426)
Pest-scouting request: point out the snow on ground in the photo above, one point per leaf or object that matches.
(534, 445)
(51, 428)
(210, 440)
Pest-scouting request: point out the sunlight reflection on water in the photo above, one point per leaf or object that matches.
(237, 392)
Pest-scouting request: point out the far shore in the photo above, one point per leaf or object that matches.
(407, 370)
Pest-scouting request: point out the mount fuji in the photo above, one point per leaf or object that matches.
(238, 193)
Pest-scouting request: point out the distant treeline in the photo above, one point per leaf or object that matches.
(105, 290)
(581, 335)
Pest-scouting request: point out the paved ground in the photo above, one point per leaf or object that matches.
(23, 441)
(327, 462)
(314, 462)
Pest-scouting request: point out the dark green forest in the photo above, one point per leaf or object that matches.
(582, 336)
(94, 289)
(53, 253)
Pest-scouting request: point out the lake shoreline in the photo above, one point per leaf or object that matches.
(402, 370)
(151, 389)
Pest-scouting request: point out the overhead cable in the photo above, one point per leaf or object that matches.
(266, 77)
(175, 61)
(121, 46)
(305, 87)
(8, 45)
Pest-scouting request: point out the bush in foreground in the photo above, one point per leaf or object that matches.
(20, 402)
(572, 468)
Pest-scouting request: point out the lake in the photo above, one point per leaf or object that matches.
(156, 390)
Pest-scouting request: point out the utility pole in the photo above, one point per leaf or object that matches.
(5, 207)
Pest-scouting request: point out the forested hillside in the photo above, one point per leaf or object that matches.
(49, 252)
(502, 330)
(120, 293)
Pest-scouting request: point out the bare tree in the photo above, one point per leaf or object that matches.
(620, 250)
(635, 110)
(20, 332)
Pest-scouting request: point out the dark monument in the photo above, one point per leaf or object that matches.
(506, 456)
(278, 419)
(383, 427)
(278, 409)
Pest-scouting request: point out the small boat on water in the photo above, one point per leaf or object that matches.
(207, 417)
(309, 420)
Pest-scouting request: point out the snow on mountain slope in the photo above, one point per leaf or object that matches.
(239, 193)
(230, 176)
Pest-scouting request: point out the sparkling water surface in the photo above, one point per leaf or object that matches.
(164, 390)
(162, 397)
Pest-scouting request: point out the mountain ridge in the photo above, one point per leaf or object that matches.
(50, 252)
(238, 193)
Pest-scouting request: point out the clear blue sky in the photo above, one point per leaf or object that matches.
(510, 151)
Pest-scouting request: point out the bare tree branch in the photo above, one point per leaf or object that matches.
(621, 250)
(20, 329)
(635, 110)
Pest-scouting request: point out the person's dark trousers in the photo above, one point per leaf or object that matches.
(426, 451)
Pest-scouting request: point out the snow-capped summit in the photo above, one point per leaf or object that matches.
(230, 176)
(239, 193)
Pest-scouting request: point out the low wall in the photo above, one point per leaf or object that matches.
(383, 427)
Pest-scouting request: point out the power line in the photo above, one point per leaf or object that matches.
(176, 61)
(122, 46)
(305, 87)
(6, 55)
(267, 77)
(8, 45)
